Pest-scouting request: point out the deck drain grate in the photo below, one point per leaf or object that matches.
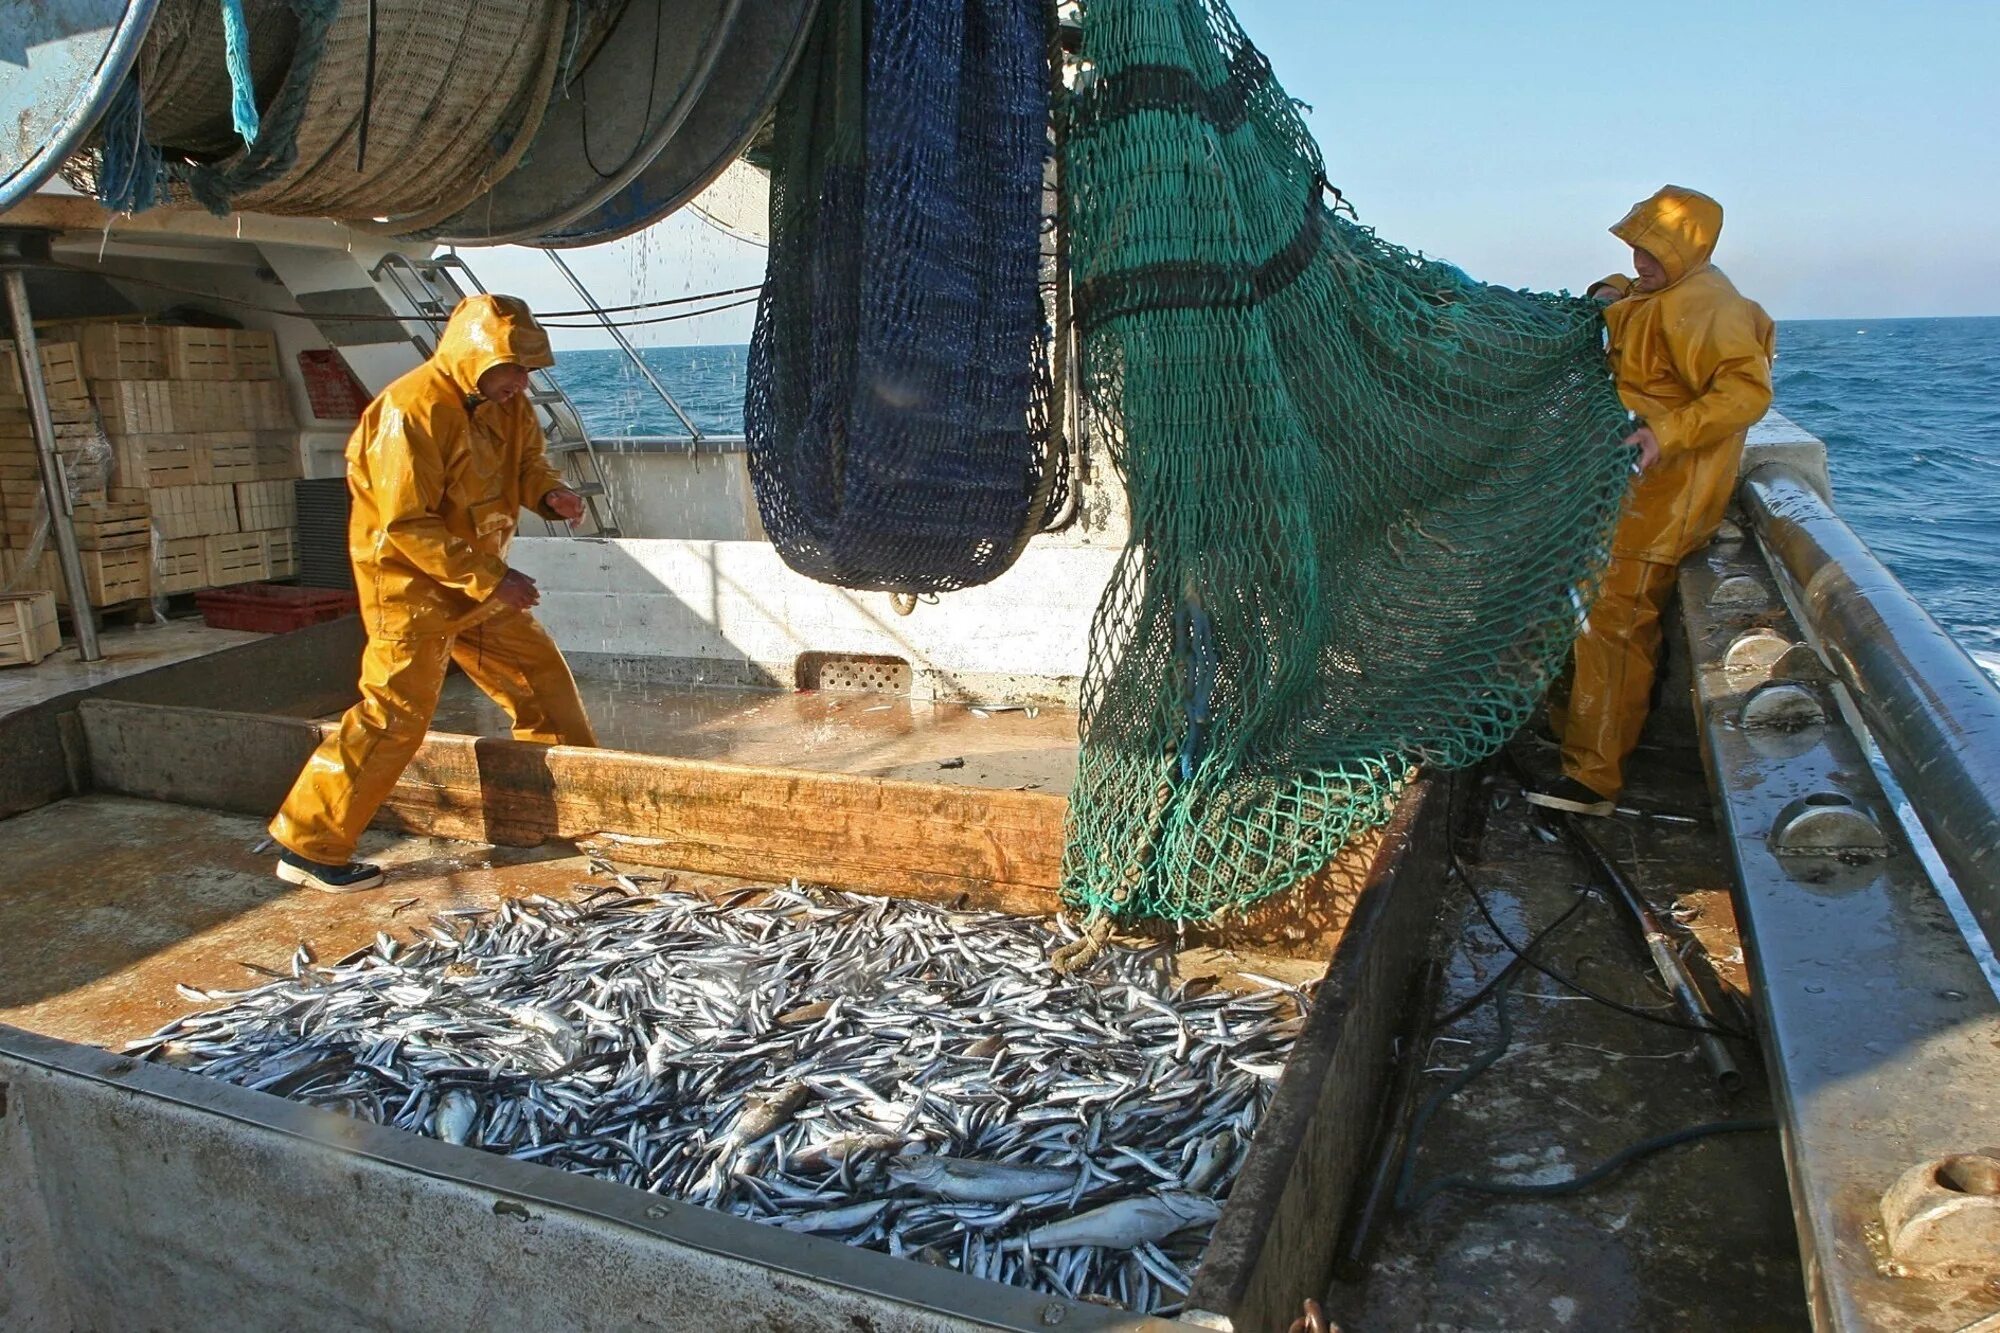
(870, 674)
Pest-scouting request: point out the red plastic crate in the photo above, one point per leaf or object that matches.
(331, 388)
(272, 608)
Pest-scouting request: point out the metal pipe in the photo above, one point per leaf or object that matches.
(1929, 708)
(1673, 973)
(54, 493)
(625, 344)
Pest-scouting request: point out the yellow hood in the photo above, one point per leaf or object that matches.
(487, 331)
(1677, 226)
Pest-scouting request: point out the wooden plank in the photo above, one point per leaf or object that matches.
(1273, 1246)
(912, 838)
(978, 847)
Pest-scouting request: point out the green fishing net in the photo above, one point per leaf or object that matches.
(1368, 494)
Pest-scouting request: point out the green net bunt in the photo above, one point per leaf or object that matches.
(1368, 494)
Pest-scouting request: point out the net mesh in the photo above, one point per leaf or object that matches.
(898, 400)
(1367, 493)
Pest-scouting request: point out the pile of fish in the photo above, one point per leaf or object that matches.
(888, 1073)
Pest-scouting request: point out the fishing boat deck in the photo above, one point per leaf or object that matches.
(127, 651)
(1700, 1236)
(113, 902)
(874, 735)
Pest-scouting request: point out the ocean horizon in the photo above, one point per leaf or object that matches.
(1908, 407)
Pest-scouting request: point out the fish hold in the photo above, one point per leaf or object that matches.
(1129, 1223)
(968, 1181)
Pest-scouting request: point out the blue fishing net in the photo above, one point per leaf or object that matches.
(898, 403)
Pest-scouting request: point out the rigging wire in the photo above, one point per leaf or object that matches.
(543, 318)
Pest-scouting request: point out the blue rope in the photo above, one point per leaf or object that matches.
(236, 52)
(276, 150)
(131, 171)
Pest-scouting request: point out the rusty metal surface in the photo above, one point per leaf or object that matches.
(1882, 1034)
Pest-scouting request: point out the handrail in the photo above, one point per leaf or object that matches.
(1930, 709)
(625, 344)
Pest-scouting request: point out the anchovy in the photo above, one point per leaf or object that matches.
(897, 1075)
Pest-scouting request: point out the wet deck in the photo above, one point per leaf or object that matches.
(112, 901)
(127, 651)
(1699, 1236)
(872, 735)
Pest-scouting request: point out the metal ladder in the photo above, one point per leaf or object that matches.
(433, 288)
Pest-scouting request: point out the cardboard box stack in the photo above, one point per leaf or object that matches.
(201, 427)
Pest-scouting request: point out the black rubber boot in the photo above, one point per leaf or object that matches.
(350, 878)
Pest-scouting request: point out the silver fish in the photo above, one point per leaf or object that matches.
(457, 1114)
(1129, 1222)
(769, 1056)
(972, 1181)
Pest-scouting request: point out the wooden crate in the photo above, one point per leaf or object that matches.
(28, 630)
(269, 406)
(194, 511)
(236, 557)
(262, 505)
(109, 577)
(198, 354)
(98, 527)
(282, 547)
(181, 565)
(113, 526)
(254, 354)
(232, 456)
(138, 407)
(146, 461)
(122, 351)
(62, 374)
(278, 456)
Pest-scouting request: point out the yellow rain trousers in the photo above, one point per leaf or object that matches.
(438, 480)
(1692, 361)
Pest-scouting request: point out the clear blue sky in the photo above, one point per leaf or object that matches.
(1855, 146)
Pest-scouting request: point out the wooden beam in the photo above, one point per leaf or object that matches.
(1001, 848)
(972, 846)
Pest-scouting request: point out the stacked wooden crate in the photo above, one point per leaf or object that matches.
(111, 522)
(198, 418)
(28, 629)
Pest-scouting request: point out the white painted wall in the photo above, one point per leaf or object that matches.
(733, 607)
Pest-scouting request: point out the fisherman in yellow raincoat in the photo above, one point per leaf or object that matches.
(440, 468)
(1692, 358)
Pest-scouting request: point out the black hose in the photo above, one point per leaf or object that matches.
(1479, 900)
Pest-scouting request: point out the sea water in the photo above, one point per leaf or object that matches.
(1909, 410)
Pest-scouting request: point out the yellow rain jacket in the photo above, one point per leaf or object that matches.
(1693, 360)
(439, 483)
